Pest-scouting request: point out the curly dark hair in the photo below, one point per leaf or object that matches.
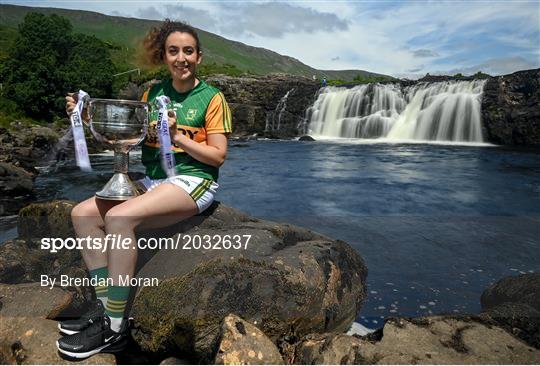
(154, 42)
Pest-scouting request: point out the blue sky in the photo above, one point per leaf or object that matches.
(399, 38)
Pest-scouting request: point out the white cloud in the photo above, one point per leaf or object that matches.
(424, 53)
(276, 19)
(498, 66)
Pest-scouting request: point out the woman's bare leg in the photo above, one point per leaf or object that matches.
(165, 205)
(87, 218)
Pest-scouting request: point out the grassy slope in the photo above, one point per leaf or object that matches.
(127, 33)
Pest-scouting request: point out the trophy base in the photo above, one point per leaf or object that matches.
(119, 188)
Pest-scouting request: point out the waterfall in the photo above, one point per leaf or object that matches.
(444, 111)
(280, 108)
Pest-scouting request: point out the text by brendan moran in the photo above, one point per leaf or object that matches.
(66, 281)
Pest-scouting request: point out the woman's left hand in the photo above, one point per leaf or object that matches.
(171, 122)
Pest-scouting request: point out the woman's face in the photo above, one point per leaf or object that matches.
(181, 56)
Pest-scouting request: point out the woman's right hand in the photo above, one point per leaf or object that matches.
(71, 102)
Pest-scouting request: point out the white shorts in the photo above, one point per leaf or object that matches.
(201, 190)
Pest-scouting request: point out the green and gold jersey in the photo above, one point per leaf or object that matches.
(199, 112)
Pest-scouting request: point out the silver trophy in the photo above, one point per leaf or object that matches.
(121, 124)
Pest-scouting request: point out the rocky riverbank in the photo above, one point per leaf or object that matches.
(288, 298)
(511, 108)
(21, 149)
(271, 106)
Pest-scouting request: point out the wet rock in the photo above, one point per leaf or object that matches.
(430, 340)
(514, 303)
(289, 280)
(522, 289)
(25, 145)
(244, 344)
(510, 108)
(27, 333)
(306, 138)
(15, 188)
(521, 320)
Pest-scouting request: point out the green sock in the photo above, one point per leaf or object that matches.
(101, 291)
(116, 304)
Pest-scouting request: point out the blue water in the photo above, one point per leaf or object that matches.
(435, 224)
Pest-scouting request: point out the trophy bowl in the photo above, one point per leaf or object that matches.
(122, 125)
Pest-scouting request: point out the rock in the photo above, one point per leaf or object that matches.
(521, 320)
(24, 261)
(27, 335)
(244, 344)
(514, 303)
(15, 188)
(510, 108)
(26, 145)
(306, 138)
(259, 105)
(430, 340)
(290, 281)
(50, 219)
(174, 361)
(523, 289)
(22, 148)
(32, 299)
(324, 349)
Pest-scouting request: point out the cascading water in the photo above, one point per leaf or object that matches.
(444, 111)
(278, 112)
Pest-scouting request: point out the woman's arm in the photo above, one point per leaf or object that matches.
(213, 153)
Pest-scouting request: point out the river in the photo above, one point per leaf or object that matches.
(435, 223)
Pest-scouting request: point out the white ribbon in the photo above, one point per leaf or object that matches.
(81, 152)
(167, 156)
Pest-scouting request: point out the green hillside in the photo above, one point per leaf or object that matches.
(124, 34)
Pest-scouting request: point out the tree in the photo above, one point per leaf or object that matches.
(47, 60)
(89, 67)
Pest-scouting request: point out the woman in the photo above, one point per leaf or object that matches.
(199, 124)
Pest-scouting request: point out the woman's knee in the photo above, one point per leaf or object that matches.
(118, 219)
(86, 208)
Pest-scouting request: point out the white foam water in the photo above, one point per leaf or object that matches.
(426, 112)
(359, 329)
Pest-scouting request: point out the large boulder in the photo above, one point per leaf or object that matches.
(289, 281)
(430, 340)
(47, 219)
(514, 303)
